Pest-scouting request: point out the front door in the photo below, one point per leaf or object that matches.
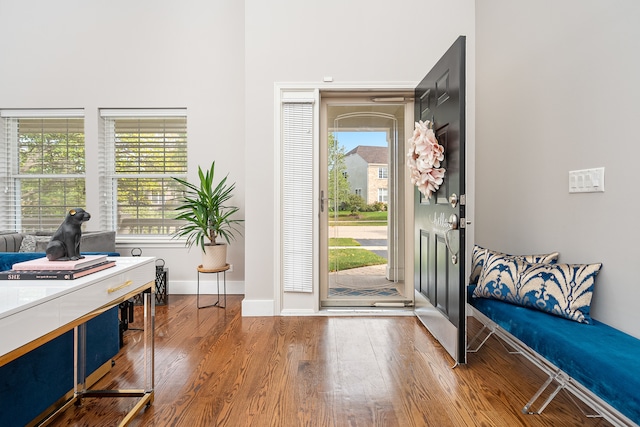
(439, 274)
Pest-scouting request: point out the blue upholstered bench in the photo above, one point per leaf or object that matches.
(33, 383)
(597, 363)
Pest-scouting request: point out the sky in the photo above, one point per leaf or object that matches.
(350, 140)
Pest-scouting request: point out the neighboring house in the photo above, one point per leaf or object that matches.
(368, 172)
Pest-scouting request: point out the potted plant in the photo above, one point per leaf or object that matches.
(207, 217)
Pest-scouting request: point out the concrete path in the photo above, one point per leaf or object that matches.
(359, 232)
(373, 238)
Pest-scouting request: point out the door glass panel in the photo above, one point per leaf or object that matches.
(365, 164)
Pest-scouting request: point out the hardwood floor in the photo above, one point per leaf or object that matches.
(216, 368)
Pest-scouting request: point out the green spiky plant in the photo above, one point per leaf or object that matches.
(205, 212)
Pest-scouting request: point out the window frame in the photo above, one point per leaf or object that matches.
(383, 193)
(108, 175)
(383, 172)
(10, 175)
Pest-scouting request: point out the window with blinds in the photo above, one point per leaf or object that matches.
(297, 196)
(42, 168)
(142, 151)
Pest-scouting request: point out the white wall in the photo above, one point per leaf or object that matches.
(220, 60)
(143, 53)
(558, 90)
(359, 41)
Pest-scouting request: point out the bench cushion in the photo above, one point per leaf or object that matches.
(601, 358)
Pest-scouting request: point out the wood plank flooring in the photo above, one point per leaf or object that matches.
(217, 368)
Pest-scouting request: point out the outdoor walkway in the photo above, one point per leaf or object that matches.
(370, 278)
(372, 238)
(359, 231)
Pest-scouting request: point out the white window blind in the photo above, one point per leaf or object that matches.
(42, 167)
(141, 151)
(297, 196)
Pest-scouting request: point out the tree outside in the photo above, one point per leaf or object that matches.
(339, 188)
(51, 162)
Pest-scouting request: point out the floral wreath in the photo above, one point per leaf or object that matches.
(423, 159)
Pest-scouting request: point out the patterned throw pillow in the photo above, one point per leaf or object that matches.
(480, 254)
(499, 277)
(31, 243)
(561, 289)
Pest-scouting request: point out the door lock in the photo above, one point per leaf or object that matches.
(453, 200)
(453, 225)
(453, 221)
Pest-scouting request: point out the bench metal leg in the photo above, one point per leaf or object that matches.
(477, 337)
(512, 350)
(562, 381)
(595, 414)
(491, 328)
(592, 406)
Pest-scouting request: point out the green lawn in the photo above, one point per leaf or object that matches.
(361, 218)
(342, 241)
(345, 259)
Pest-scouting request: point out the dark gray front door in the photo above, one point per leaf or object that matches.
(439, 221)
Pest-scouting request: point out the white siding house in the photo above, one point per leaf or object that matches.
(368, 172)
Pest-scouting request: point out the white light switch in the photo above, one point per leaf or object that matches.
(573, 183)
(586, 181)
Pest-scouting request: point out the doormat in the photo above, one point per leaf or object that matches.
(364, 292)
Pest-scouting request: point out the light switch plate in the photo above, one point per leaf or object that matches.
(586, 181)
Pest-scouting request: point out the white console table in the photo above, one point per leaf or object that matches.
(33, 312)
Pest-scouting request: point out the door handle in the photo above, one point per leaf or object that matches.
(453, 225)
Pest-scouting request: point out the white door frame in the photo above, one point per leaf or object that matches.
(302, 303)
(348, 99)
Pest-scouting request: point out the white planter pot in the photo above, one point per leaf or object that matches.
(214, 256)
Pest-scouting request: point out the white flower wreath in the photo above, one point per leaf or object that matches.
(423, 159)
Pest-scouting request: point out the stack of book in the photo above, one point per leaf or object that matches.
(43, 269)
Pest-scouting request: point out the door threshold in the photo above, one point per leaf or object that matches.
(367, 311)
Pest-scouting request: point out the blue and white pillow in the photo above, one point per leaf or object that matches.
(499, 277)
(480, 254)
(561, 289)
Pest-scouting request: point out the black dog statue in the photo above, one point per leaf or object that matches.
(65, 242)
